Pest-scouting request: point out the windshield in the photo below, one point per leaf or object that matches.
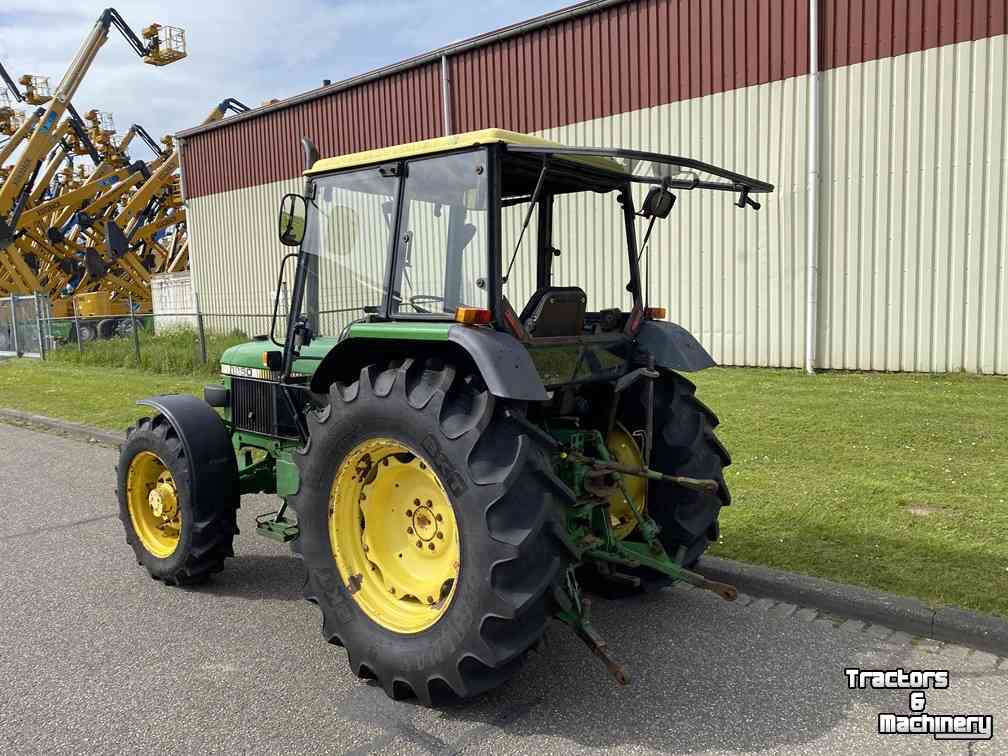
(441, 259)
(348, 235)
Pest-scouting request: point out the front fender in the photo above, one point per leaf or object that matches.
(673, 347)
(502, 361)
(207, 443)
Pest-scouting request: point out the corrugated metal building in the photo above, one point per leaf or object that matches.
(912, 164)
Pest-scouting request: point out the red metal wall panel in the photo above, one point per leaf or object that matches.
(628, 56)
(401, 108)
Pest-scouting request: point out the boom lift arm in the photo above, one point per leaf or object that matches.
(23, 132)
(11, 85)
(137, 130)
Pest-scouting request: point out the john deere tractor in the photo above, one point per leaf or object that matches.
(470, 410)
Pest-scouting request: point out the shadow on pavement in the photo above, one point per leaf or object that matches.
(258, 577)
(699, 681)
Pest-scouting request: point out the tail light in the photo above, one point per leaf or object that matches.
(472, 316)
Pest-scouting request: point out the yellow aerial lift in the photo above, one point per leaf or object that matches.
(97, 241)
(160, 46)
(36, 89)
(92, 237)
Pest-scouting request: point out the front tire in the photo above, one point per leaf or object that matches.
(180, 539)
(504, 504)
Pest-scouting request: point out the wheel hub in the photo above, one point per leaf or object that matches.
(152, 500)
(394, 535)
(163, 501)
(425, 522)
(624, 450)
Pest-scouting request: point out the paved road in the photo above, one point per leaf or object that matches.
(97, 658)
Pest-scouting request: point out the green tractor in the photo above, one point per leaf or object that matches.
(476, 435)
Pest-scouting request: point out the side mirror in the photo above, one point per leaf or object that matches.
(658, 203)
(293, 219)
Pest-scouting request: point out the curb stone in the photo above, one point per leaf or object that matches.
(64, 427)
(979, 631)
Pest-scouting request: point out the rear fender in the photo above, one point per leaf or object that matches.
(207, 443)
(673, 347)
(502, 361)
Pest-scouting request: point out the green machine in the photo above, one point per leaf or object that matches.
(460, 435)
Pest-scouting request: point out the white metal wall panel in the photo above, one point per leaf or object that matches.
(235, 254)
(914, 221)
(734, 278)
(913, 236)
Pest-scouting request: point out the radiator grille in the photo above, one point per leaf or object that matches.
(252, 405)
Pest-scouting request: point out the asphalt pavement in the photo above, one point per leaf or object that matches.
(97, 658)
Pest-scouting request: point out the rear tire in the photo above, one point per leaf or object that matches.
(506, 503)
(685, 444)
(207, 526)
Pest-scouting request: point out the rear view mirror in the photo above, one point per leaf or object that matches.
(293, 219)
(658, 203)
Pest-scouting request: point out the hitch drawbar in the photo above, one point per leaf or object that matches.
(705, 485)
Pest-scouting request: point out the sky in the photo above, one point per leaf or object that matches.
(252, 51)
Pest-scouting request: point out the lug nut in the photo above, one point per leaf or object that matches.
(439, 535)
(391, 589)
(409, 512)
(430, 599)
(409, 531)
(419, 544)
(429, 503)
(416, 502)
(430, 546)
(438, 517)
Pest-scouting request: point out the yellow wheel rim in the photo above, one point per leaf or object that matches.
(624, 450)
(153, 504)
(394, 536)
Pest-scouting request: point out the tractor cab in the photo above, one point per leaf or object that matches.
(492, 229)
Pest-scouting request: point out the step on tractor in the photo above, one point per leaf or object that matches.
(470, 411)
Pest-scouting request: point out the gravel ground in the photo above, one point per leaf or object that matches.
(97, 658)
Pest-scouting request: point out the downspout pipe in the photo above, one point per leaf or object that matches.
(446, 95)
(812, 192)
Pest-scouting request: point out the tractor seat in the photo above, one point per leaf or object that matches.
(555, 311)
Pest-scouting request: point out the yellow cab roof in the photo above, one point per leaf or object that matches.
(448, 143)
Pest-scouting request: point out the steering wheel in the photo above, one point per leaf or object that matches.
(417, 300)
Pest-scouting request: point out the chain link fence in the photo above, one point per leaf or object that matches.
(183, 342)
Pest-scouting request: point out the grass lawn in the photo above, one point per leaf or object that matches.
(898, 482)
(174, 352)
(105, 397)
